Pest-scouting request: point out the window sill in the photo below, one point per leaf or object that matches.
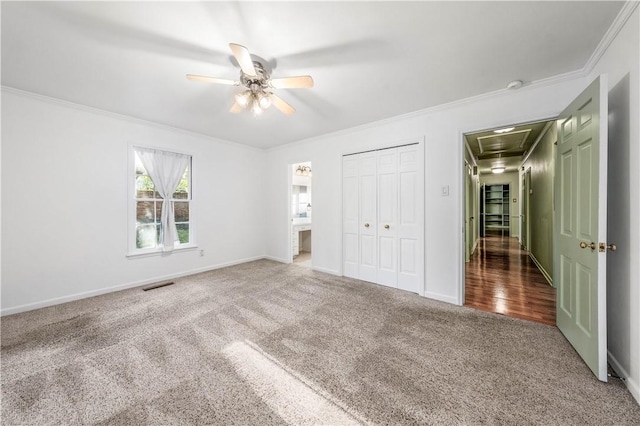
(158, 252)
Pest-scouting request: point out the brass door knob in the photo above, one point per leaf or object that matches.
(386, 227)
(366, 225)
(603, 247)
(591, 245)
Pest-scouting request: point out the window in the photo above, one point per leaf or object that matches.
(152, 234)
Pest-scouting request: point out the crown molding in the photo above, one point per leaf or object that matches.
(556, 79)
(621, 19)
(623, 16)
(128, 118)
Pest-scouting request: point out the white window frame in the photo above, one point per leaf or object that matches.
(132, 250)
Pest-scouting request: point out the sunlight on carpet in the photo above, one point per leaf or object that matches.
(295, 399)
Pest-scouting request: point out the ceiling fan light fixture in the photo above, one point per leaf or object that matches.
(257, 110)
(243, 98)
(497, 169)
(264, 100)
(256, 79)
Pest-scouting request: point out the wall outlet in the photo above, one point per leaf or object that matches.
(201, 252)
(445, 191)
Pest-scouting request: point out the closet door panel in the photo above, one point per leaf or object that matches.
(409, 229)
(367, 192)
(408, 257)
(387, 217)
(350, 219)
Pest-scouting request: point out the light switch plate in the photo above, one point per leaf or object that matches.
(445, 191)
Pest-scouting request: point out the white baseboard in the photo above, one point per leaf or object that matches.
(278, 259)
(326, 270)
(631, 384)
(542, 270)
(105, 290)
(441, 298)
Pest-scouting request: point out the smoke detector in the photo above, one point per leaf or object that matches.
(515, 84)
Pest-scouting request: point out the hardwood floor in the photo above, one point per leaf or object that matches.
(501, 278)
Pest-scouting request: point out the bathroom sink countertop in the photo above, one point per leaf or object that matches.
(301, 223)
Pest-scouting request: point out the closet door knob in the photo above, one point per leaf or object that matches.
(584, 245)
(366, 225)
(386, 227)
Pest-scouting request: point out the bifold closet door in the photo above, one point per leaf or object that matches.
(410, 214)
(368, 209)
(387, 179)
(382, 217)
(359, 217)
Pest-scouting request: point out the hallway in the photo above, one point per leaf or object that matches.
(501, 278)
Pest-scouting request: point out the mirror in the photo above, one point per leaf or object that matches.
(301, 201)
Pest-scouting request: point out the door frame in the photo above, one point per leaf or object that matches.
(525, 227)
(461, 188)
(289, 215)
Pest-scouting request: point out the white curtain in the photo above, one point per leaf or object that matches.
(165, 170)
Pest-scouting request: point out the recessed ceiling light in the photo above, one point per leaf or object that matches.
(515, 84)
(496, 170)
(505, 130)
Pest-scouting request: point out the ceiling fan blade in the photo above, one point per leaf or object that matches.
(281, 105)
(243, 57)
(298, 82)
(205, 79)
(236, 108)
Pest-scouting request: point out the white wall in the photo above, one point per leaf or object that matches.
(64, 202)
(442, 130)
(621, 63)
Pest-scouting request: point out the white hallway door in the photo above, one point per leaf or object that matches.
(383, 217)
(580, 223)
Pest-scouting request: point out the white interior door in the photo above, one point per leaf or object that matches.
(387, 217)
(368, 212)
(410, 218)
(383, 217)
(580, 263)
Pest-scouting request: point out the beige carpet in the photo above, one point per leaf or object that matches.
(267, 343)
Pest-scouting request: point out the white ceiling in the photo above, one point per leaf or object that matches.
(369, 60)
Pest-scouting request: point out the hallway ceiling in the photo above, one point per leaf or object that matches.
(507, 149)
(369, 60)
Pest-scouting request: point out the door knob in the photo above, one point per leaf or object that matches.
(603, 247)
(591, 245)
(366, 225)
(386, 227)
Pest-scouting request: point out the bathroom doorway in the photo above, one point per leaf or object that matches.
(301, 213)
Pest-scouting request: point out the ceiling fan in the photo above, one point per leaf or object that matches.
(255, 77)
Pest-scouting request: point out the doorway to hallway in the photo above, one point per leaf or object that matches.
(510, 252)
